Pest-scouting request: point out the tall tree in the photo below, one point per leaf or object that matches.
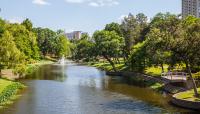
(9, 54)
(107, 44)
(28, 24)
(133, 29)
(46, 40)
(187, 46)
(114, 27)
(84, 49)
(156, 48)
(25, 41)
(62, 46)
(137, 58)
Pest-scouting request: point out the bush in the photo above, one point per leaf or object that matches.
(20, 69)
(196, 76)
(9, 91)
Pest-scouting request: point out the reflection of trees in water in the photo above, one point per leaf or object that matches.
(50, 72)
(119, 85)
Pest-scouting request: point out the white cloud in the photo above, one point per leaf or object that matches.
(95, 3)
(75, 1)
(40, 2)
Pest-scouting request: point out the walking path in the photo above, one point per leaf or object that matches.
(8, 74)
(175, 76)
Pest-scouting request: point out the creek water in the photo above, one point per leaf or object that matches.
(77, 89)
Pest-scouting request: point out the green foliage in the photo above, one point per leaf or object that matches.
(84, 49)
(2, 27)
(28, 24)
(108, 44)
(52, 43)
(20, 44)
(179, 37)
(20, 69)
(196, 75)
(155, 70)
(9, 54)
(134, 29)
(25, 41)
(114, 27)
(62, 46)
(46, 40)
(156, 48)
(137, 58)
(9, 91)
(104, 65)
(188, 95)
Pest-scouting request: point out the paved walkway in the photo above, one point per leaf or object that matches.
(175, 76)
(8, 74)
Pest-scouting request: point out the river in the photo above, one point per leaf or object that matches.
(78, 89)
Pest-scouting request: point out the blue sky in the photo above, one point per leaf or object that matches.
(84, 15)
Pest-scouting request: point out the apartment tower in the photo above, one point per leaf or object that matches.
(191, 7)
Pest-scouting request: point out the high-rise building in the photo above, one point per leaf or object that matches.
(198, 8)
(191, 7)
(75, 35)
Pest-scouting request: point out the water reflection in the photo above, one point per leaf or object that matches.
(54, 72)
(74, 89)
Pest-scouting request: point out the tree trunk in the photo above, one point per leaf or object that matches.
(111, 62)
(124, 60)
(193, 82)
(118, 60)
(144, 63)
(162, 67)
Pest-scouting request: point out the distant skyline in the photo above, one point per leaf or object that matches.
(83, 15)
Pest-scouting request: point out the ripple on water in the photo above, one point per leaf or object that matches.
(72, 89)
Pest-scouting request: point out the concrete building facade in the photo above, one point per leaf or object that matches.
(191, 7)
(75, 35)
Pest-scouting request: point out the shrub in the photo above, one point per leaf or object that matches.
(9, 91)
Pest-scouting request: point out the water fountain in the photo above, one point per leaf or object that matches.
(62, 60)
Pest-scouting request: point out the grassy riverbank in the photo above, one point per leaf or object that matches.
(132, 80)
(189, 96)
(8, 91)
(104, 65)
(24, 70)
(151, 71)
(34, 66)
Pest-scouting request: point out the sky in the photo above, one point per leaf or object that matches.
(83, 15)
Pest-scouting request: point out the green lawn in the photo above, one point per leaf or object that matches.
(8, 91)
(152, 71)
(196, 76)
(106, 66)
(188, 95)
(41, 62)
(31, 67)
(155, 71)
(4, 84)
